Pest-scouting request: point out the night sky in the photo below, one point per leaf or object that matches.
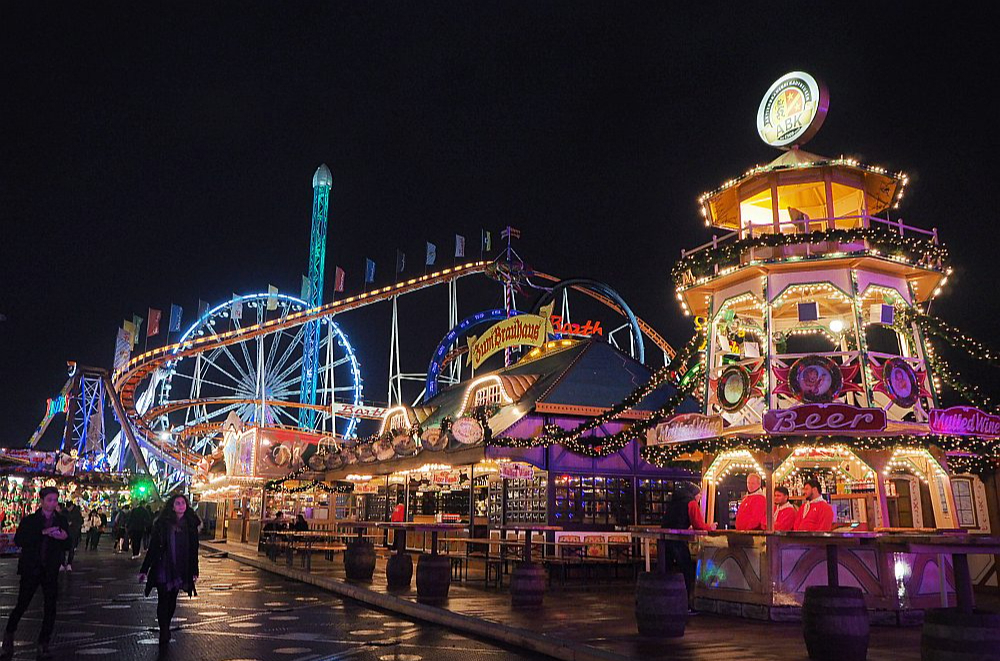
(155, 155)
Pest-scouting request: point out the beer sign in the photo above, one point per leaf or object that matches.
(833, 418)
(792, 110)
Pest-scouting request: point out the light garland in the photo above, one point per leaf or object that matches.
(734, 461)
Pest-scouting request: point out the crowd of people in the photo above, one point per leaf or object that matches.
(49, 537)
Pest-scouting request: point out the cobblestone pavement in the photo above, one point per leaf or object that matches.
(240, 614)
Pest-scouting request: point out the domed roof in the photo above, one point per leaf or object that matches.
(323, 177)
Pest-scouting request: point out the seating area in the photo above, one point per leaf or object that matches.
(570, 558)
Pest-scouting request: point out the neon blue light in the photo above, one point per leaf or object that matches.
(434, 369)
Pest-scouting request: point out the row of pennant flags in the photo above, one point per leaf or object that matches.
(131, 330)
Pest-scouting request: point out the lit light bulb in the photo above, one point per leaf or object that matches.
(836, 325)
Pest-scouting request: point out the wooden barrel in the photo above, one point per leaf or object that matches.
(359, 561)
(433, 577)
(952, 636)
(835, 623)
(661, 604)
(527, 585)
(399, 571)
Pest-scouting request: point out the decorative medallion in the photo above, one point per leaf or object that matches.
(433, 439)
(897, 379)
(816, 379)
(733, 387)
(467, 431)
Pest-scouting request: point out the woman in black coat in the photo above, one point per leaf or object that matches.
(171, 563)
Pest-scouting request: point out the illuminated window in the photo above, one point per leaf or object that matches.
(488, 395)
(397, 421)
(965, 505)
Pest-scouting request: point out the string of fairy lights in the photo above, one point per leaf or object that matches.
(279, 485)
(894, 245)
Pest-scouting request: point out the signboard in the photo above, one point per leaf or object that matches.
(365, 487)
(824, 419)
(516, 470)
(964, 421)
(38, 462)
(522, 330)
(358, 411)
(444, 478)
(685, 427)
(588, 329)
(467, 431)
(792, 110)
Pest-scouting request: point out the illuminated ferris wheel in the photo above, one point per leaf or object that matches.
(259, 379)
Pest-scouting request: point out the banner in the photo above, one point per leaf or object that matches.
(487, 241)
(236, 309)
(202, 308)
(369, 271)
(510, 233)
(525, 329)
(153, 327)
(833, 418)
(400, 261)
(685, 427)
(176, 312)
(123, 347)
(964, 421)
(132, 332)
(459, 245)
(272, 297)
(338, 280)
(431, 254)
(516, 470)
(306, 290)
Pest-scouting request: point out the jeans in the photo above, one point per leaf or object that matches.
(49, 583)
(93, 538)
(166, 604)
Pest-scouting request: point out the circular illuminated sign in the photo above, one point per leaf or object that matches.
(432, 439)
(815, 379)
(467, 431)
(792, 110)
(900, 382)
(733, 389)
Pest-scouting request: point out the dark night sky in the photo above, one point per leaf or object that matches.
(155, 155)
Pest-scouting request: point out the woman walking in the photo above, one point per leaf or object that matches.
(171, 563)
(95, 522)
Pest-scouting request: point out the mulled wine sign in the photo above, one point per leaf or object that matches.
(824, 419)
(685, 427)
(964, 421)
(467, 431)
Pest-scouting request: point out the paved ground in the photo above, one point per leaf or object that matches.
(240, 614)
(599, 612)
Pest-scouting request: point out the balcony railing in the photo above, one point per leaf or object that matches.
(805, 249)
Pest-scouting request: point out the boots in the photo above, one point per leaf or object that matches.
(7, 651)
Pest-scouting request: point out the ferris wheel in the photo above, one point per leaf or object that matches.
(259, 379)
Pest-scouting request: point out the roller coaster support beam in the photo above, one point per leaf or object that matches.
(116, 403)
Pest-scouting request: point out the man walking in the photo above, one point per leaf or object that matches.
(42, 536)
(75, 519)
(139, 519)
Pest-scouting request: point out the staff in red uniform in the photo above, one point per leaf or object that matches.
(752, 512)
(816, 514)
(785, 513)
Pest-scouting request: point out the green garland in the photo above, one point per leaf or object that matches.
(980, 466)
(702, 262)
(956, 338)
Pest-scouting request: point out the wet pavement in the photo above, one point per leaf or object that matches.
(240, 614)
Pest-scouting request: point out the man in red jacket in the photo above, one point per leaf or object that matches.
(816, 514)
(752, 512)
(785, 513)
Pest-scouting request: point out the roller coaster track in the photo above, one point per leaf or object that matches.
(128, 380)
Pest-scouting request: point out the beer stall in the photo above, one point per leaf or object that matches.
(816, 363)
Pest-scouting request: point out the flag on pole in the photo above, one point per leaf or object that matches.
(306, 289)
(400, 261)
(236, 308)
(137, 320)
(176, 312)
(369, 271)
(510, 233)
(123, 347)
(487, 241)
(153, 327)
(338, 280)
(459, 245)
(132, 331)
(272, 297)
(432, 253)
(202, 308)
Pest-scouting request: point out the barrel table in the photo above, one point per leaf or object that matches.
(661, 599)
(527, 582)
(399, 566)
(433, 570)
(962, 632)
(359, 558)
(834, 618)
